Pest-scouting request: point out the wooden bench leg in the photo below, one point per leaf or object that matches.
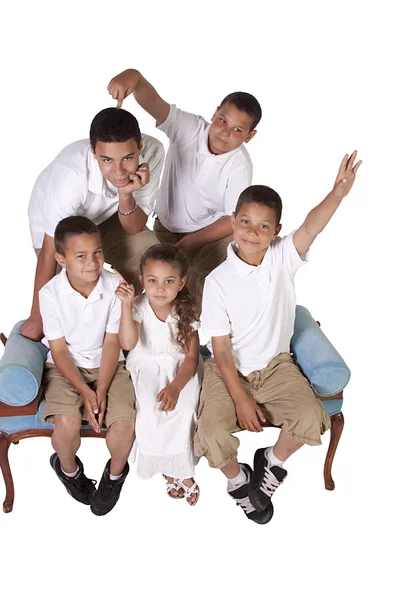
(337, 424)
(5, 468)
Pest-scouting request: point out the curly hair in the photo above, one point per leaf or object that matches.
(185, 308)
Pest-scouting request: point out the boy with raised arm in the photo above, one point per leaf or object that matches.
(249, 311)
(206, 168)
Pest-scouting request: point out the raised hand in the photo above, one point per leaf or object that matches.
(125, 291)
(346, 175)
(123, 84)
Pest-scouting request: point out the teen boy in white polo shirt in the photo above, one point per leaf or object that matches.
(249, 310)
(85, 377)
(113, 179)
(206, 168)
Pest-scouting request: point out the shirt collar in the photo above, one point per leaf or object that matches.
(97, 184)
(241, 267)
(104, 285)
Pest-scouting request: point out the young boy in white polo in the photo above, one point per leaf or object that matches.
(249, 311)
(85, 378)
(112, 179)
(207, 167)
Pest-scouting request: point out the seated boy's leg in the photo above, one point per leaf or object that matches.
(63, 406)
(202, 261)
(214, 439)
(123, 250)
(120, 422)
(288, 401)
(217, 420)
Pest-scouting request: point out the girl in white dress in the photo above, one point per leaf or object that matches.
(159, 328)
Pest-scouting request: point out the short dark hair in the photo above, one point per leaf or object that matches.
(114, 125)
(263, 195)
(246, 102)
(72, 226)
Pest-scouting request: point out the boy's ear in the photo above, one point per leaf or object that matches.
(277, 231)
(141, 279)
(250, 136)
(92, 151)
(140, 147)
(60, 258)
(182, 283)
(233, 220)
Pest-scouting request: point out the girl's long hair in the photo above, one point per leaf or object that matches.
(184, 308)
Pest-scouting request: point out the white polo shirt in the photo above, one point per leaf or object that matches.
(82, 321)
(256, 306)
(198, 187)
(73, 185)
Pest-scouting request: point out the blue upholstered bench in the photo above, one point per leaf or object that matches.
(21, 398)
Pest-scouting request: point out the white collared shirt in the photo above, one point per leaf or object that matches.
(74, 185)
(82, 321)
(254, 305)
(198, 187)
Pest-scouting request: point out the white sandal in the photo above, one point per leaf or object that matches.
(188, 491)
(173, 485)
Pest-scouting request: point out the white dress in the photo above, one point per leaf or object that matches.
(164, 440)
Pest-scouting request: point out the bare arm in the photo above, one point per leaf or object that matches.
(168, 396)
(46, 269)
(131, 81)
(69, 370)
(319, 217)
(189, 366)
(109, 359)
(247, 410)
(217, 231)
(128, 328)
(128, 333)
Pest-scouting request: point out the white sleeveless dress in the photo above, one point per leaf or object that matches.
(164, 440)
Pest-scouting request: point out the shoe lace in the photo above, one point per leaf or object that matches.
(269, 483)
(245, 504)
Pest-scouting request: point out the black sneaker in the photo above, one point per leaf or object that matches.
(106, 496)
(241, 495)
(265, 480)
(79, 486)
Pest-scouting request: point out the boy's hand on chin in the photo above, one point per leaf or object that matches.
(138, 180)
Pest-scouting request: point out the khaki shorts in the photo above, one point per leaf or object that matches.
(202, 260)
(284, 395)
(61, 398)
(123, 250)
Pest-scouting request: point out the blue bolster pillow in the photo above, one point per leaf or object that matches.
(21, 369)
(323, 366)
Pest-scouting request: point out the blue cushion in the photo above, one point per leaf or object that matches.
(317, 358)
(21, 368)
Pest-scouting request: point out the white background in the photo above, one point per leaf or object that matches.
(326, 75)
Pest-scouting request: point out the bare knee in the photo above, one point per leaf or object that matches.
(125, 429)
(66, 426)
